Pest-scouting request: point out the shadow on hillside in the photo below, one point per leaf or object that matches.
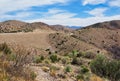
(115, 50)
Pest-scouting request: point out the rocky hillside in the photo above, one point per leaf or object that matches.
(115, 24)
(96, 38)
(12, 26)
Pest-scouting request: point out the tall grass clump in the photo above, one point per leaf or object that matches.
(5, 48)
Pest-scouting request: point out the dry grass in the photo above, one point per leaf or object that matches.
(96, 78)
(15, 69)
(37, 39)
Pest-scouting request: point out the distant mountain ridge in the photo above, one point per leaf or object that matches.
(75, 27)
(61, 28)
(11, 26)
(115, 24)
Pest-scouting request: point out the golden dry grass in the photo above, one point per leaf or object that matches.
(96, 78)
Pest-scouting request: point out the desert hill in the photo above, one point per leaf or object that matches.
(102, 36)
(61, 28)
(47, 54)
(12, 26)
(115, 24)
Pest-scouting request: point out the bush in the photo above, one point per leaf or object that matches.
(66, 60)
(5, 48)
(54, 58)
(38, 59)
(12, 57)
(80, 54)
(68, 69)
(89, 55)
(107, 68)
(73, 54)
(84, 70)
(33, 75)
(13, 65)
(80, 77)
(77, 61)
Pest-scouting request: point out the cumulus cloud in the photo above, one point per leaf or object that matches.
(93, 2)
(54, 15)
(67, 18)
(115, 3)
(13, 5)
(97, 12)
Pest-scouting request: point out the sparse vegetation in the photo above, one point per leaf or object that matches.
(84, 70)
(77, 61)
(70, 56)
(106, 68)
(33, 75)
(5, 48)
(68, 69)
(12, 64)
(38, 59)
(53, 58)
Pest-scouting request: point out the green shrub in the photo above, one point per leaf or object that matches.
(79, 77)
(73, 54)
(106, 68)
(38, 59)
(33, 75)
(53, 58)
(98, 65)
(84, 70)
(12, 57)
(42, 57)
(65, 60)
(68, 69)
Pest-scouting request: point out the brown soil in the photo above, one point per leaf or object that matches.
(36, 39)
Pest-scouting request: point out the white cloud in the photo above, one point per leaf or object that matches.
(19, 15)
(98, 12)
(13, 5)
(93, 2)
(54, 16)
(115, 3)
(67, 18)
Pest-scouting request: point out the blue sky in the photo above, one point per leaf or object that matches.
(64, 12)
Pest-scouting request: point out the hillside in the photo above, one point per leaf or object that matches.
(102, 36)
(115, 24)
(54, 53)
(12, 26)
(61, 28)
